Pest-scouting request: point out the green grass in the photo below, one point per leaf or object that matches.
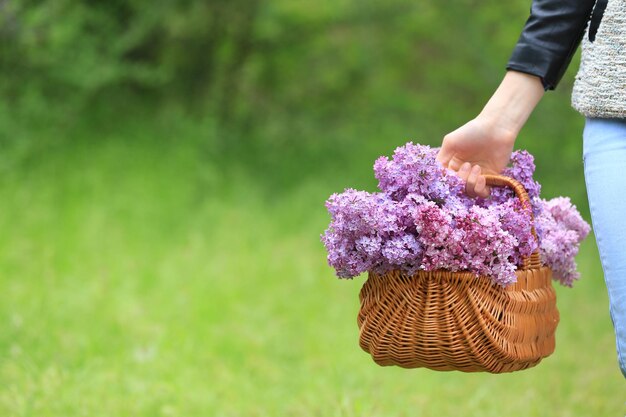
(139, 277)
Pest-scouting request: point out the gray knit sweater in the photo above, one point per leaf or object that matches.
(600, 86)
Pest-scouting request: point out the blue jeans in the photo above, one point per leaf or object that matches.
(604, 155)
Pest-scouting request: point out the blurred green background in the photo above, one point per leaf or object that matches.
(163, 169)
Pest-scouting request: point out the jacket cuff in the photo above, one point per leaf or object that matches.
(539, 62)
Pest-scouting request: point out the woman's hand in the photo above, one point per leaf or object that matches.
(484, 144)
(476, 148)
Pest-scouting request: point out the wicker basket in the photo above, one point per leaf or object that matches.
(456, 321)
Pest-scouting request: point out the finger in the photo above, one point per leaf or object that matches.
(464, 171)
(455, 164)
(472, 178)
(446, 152)
(444, 156)
(481, 188)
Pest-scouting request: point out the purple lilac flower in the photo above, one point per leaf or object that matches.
(360, 222)
(561, 229)
(403, 252)
(521, 169)
(369, 246)
(408, 211)
(434, 228)
(516, 220)
(471, 240)
(487, 246)
(565, 213)
(414, 169)
(422, 220)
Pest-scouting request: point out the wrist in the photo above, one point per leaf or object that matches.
(513, 102)
(498, 132)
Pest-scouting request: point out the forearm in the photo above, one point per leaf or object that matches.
(513, 102)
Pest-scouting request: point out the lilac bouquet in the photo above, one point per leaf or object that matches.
(422, 220)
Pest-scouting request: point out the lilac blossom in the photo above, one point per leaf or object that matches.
(402, 252)
(414, 169)
(423, 220)
(434, 228)
(488, 245)
(360, 222)
(515, 219)
(561, 229)
(522, 168)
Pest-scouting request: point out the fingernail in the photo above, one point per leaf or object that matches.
(476, 169)
(465, 167)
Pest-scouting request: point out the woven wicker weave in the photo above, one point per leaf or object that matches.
(457, 321)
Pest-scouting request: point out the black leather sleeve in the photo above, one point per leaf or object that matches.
(550, 38)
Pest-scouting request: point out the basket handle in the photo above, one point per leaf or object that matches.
(534, 261)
